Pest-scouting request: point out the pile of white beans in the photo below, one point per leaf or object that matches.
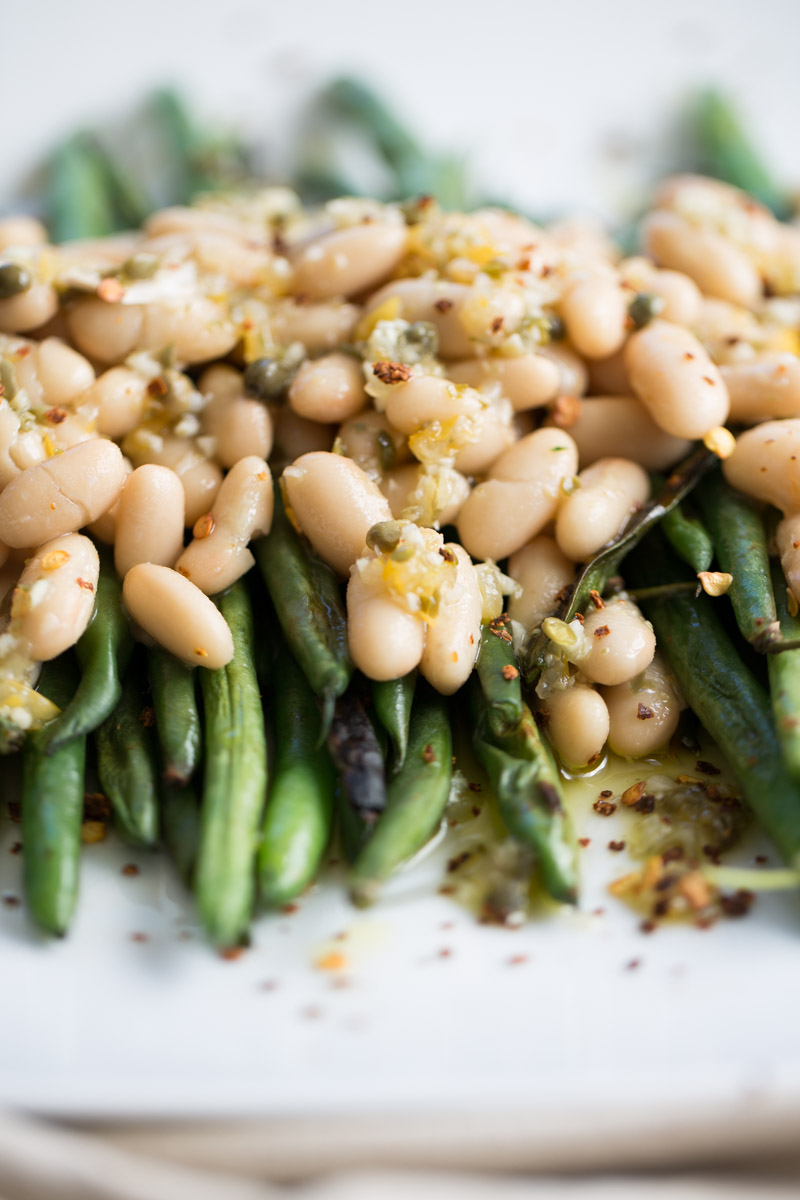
(473, 371)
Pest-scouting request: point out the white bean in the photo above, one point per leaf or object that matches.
(29, 310)
(121, 397)
(718, 266)
(196, 330)
(595, 313)
(528, 381)
(107, 333)
(372, 441)
(436, 301)
(609, 376)
(319, 327)
(55, 596)
(675, 379)
(609, 492)
(240, 426)
(519, 497)
(578, 724)
(295, 436)
(431, 496)
(335, 503)
(200, 477)
(149, 521)
(348, 261)
(453, 637)
(643, 712)
(62, 372)
(218, 554)
(543, 572)
(177, 615)
(574, 375)
(681, 296)
(328, 389)
(768, 387)
(621, 643)
(766, 464)
(607, 425)
(21, 230)
(61, 494)
(386, 640)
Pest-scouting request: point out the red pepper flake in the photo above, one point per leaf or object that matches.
(447, 925)
(86, 584)
(646, 804)
(688, 356)
(633, 965)
(130, 869)
(312, 1013)
(268, 985)
(584, 842)
(474, 787)
(606, 792)
(56, 415)
(550, 796)
(139, 937)
(16, 848)
(674, 854)
(445, 953)
(633, 794)
(96, 807)
(147, 716)
(598, 912)
(157, 387)
(429, 754)
(391, 372)
(497, 324)
(518, 960)
(604, 808)
(706, 768)
(565, 411)
(446, 889)
(737, 905)
(596, 599)
(110, 290)
(648, 927)
(476, 811)
(712, 853)
(616, 846)
(232, 953)
(643, 713)
(444, 305)
(288, 909)
(707, 379)
(458, 861)
(602, 631)
(760, 858)
(510, 672)
(11, 901)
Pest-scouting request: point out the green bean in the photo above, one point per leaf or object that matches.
(299, 814)
(392, 700)
(416, 799)
(104, 652)
(78, 202)
(599, 570)
(725, 150)
(689, 538)
(177, 718)
(306, 597)
(235, 782)
(499, 676)
(126, 764)
(529, 794)
(740, 541)
(784, 679)
(723, 694)
(357, 756)
(179, 812)
(52, 811)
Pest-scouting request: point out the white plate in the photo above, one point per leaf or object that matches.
(575, 1008)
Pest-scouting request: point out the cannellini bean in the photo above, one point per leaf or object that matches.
(726, 330)
(528, 381)
(21, 231)
(295, 436)
(607, 425)
(372, 441)
(595, 312)
(240, 426)
(436, 301)
(62, 372)
(386, 640)
(218, 555)
(598, 509)
(621, 643)
(107, 333)
(319, 327)
(61, 494)
(28, 310)
(492, 434)
(328, 389)
(766, 464)
(675, 379)
(149, 520)
(183, 219)
(609, 376)
(718, 266)
(9, 432)
(197, 330)
(348, 261)
(453, 638)
(643, 712)
(200, 477)
(335, 503)
(768, 387)
(520, 496)
(573, 372)
(54, 598)
(177, 615)
(578, 724)
(681, 296)
(121, 397)
(543, 572)
(426, 398)
(433, 496)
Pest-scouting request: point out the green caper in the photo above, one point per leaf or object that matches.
(644, 307)
(8, 380)
(420, 340)
(384, 536)
(265, 378)
(140, 266)
(14, 279)
(387, 451)
(553, 327)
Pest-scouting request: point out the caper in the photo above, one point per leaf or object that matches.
(265, 378)
(387, 451)
(553, 328)
(8, 380)
(140, 266)
(14, 278)
(420, 340)
(643, 307)
(384, 536)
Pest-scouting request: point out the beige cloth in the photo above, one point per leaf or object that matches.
(424, 1158)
